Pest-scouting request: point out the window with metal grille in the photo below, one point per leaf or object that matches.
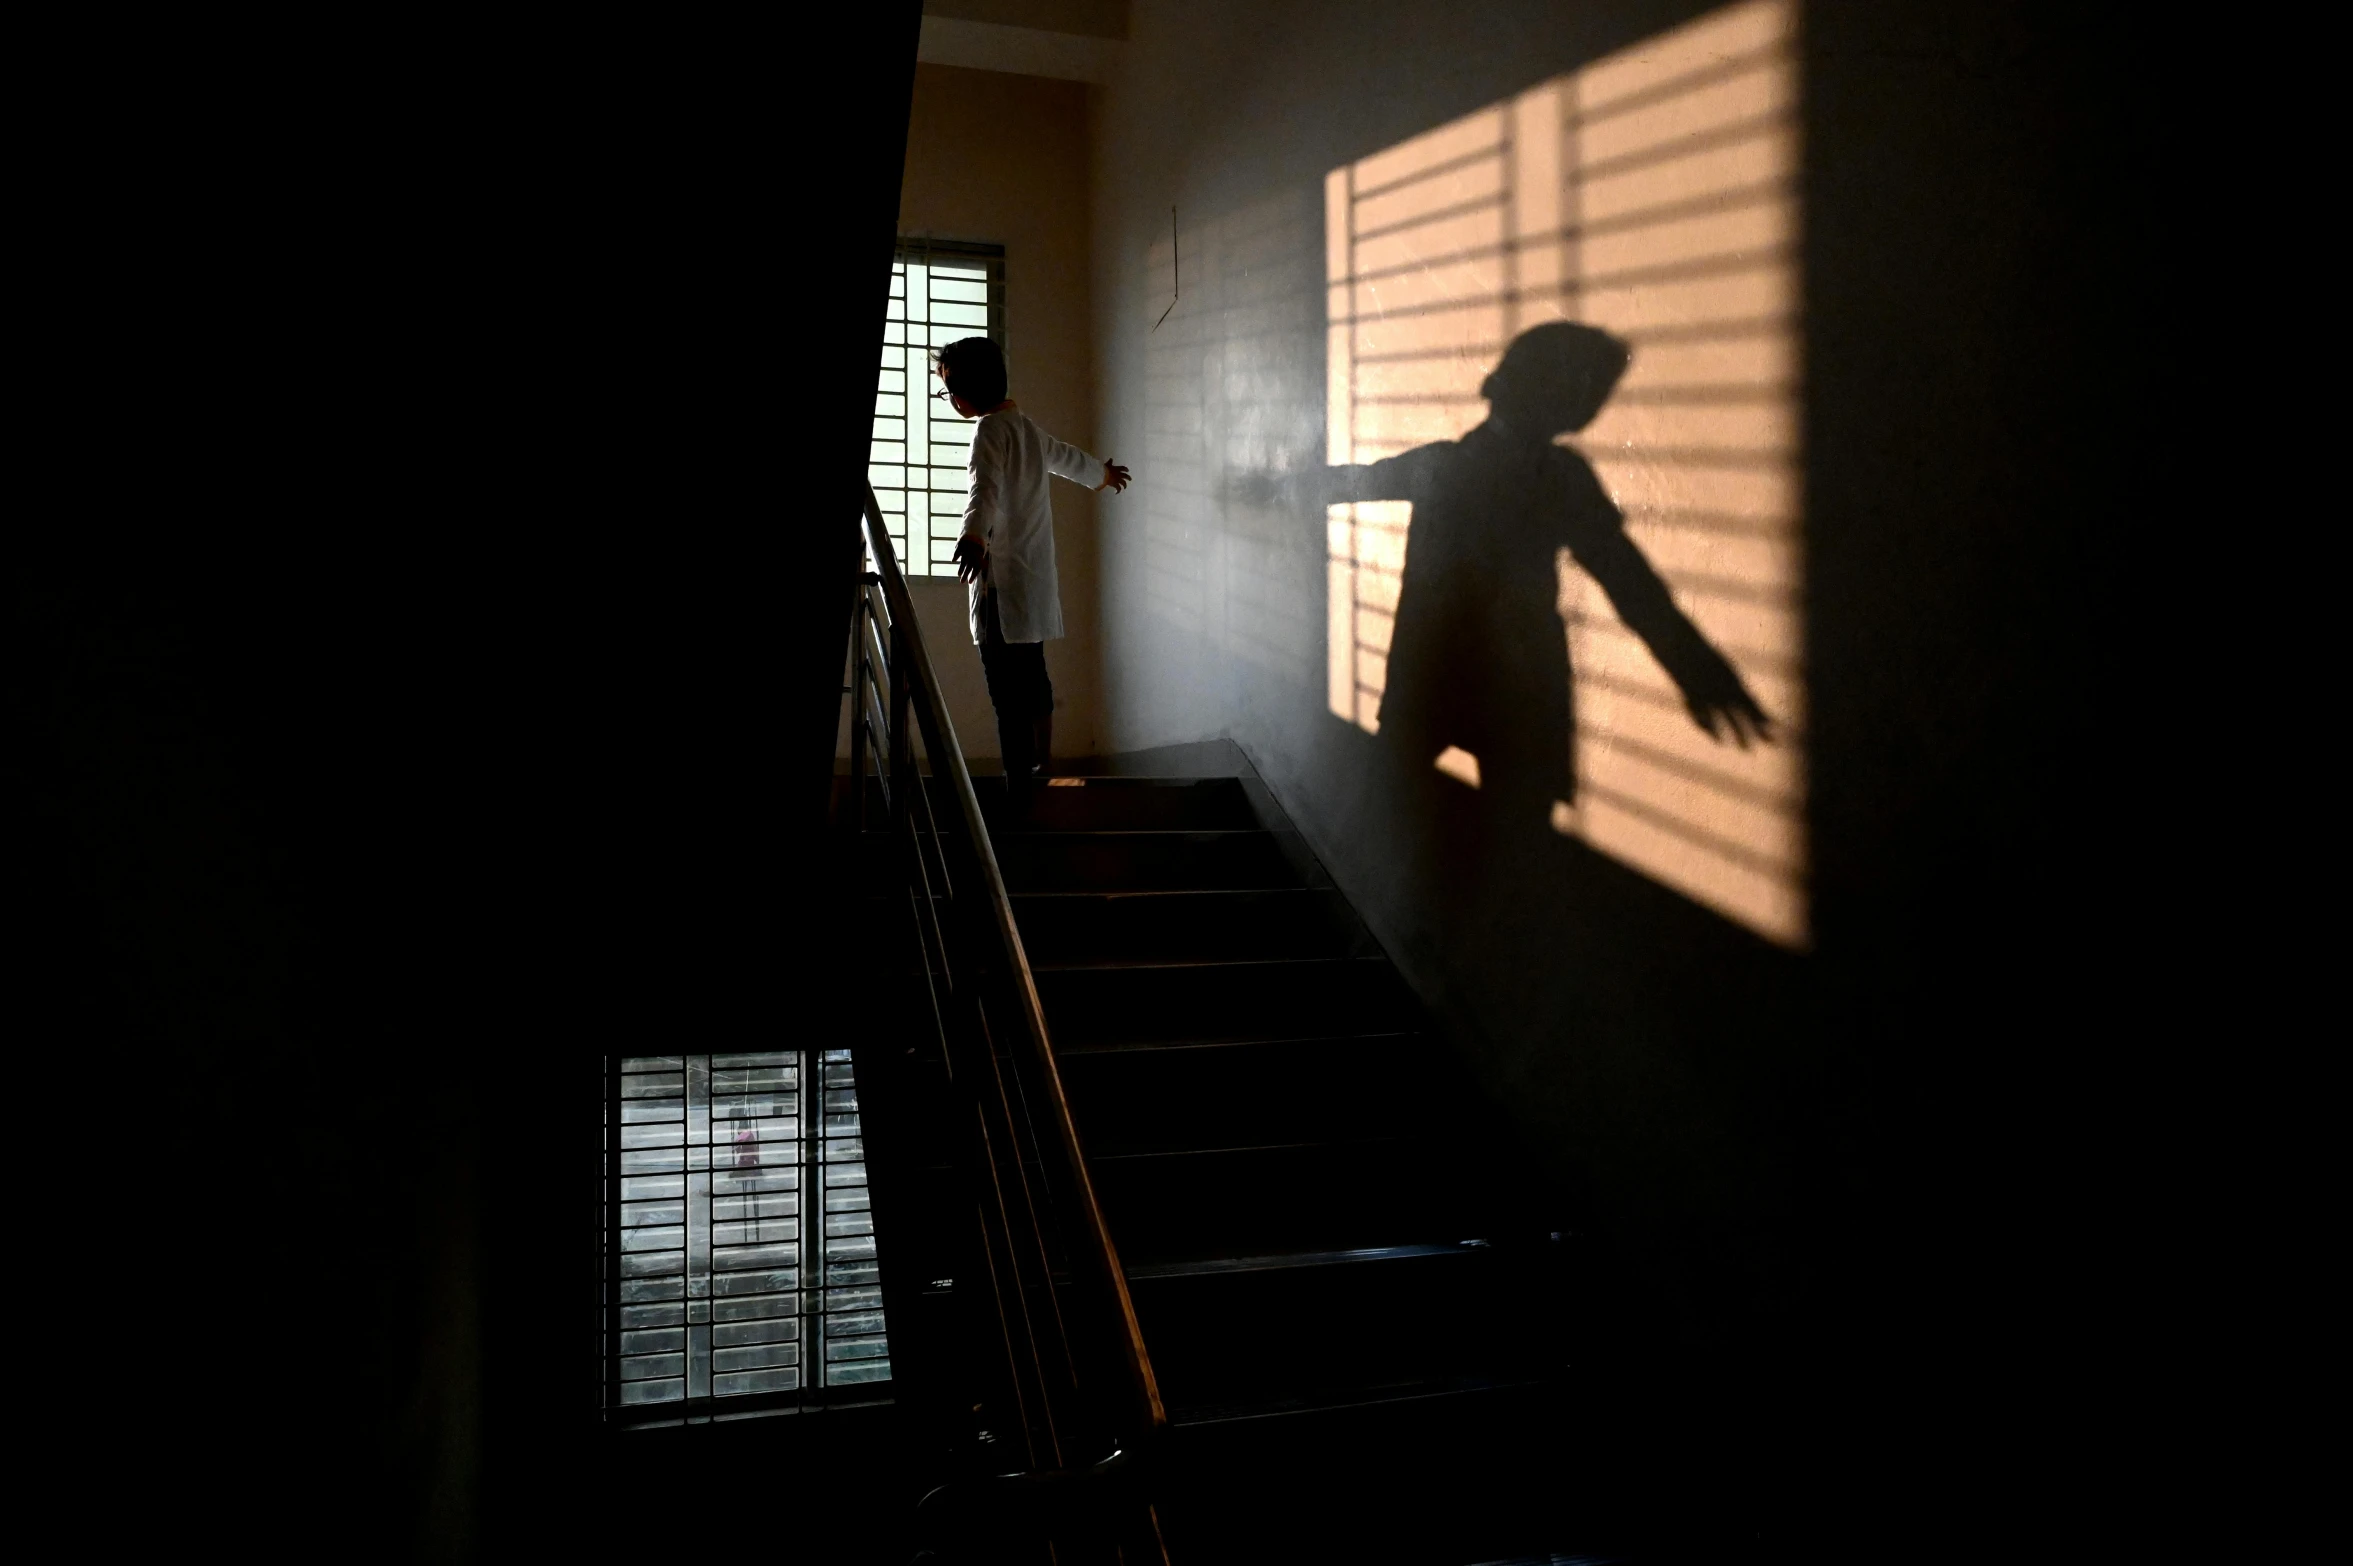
(939, 293)
(740, 1273)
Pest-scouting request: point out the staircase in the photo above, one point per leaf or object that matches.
(1358, 1321)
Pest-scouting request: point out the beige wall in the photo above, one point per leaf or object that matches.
(1002, 159)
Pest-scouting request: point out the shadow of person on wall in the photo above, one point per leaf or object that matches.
(1478, 658)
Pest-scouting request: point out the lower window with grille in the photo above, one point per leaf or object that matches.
(740, 1273)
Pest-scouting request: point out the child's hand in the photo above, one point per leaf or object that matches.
(1115, 478)
(972, 559)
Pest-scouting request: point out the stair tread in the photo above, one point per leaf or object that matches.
(1336, 1330)
(1238, 860)
(1305, 1197)
(1441, 1236)
(1270, 998)
(1341, 1398)
(1285, 1260)
(1166, 926)
(1325, 1090)
(1083, 963)
(1175, 893)
(1276, 1145)
(1064, 1051)
(1364, 964)
(1217, 962)
(1472, 1470)
(1025, 834)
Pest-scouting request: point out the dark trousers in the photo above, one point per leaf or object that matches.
(1018, 689)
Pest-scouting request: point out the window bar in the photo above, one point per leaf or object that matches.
(810, 1228)
(856, 1338)
(609, 1286)
(698, 1234)
(920, 406)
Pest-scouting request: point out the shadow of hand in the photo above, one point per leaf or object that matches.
(1719, 703)
(1250, 487)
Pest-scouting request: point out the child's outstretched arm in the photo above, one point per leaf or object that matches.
(1064, 460)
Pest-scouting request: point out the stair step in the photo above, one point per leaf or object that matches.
(1248, 1095)
(1256, 1405)
(1295, 1332)
(1267, 1200)
(1091, 805)
(1224, 1002)
(1470, 1473)
(1144, 861)
(1071, 929)
(1123, 805)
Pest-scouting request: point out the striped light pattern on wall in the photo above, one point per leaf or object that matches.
(1652, 194)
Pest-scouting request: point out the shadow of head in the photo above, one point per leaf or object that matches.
(1554, 378)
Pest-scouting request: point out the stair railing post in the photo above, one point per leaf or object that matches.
(902, 759)
(858, 683)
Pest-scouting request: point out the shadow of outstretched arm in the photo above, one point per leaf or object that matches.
(1393, 478)
(1712, 689)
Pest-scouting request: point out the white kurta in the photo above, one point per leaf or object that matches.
(1013, 462)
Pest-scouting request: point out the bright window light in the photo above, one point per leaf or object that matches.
(920, 444)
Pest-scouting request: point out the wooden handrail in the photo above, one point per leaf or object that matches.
(1147, 1418)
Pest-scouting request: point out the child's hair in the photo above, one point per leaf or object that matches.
(974, 368)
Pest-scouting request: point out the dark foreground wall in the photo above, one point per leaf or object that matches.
(1822, 1172)
(419, 684)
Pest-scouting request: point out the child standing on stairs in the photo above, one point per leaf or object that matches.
(1006, 556)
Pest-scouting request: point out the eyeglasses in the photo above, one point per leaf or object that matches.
(941, 395)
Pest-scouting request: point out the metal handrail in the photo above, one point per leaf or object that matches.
(915, 684)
